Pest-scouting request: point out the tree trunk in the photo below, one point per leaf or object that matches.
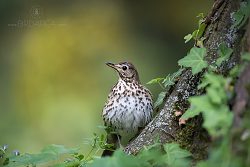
(192, 136)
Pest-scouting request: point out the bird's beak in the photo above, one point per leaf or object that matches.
(112, 65)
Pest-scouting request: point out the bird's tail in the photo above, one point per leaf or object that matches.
(112, 139)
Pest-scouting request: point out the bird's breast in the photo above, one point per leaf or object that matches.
(127, 109)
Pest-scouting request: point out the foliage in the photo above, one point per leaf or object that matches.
(224, 53)
(197, 34)
(213, 105)
(165, 84)
(241, 16)
(156, 80)
(171, 78)
(56, 155)
(171, 155)
(221, 156)
(175, 156)
(160, 99)
(195, 60)
(245, 56)
(48, 154)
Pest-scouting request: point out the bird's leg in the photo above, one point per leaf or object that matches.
(119, 141)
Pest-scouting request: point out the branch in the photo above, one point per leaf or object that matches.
(165, 125)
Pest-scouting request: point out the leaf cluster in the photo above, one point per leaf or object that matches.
(156, 155)
(197, 34)
(56, 155)
(165, 84)
(213, 105)
(49, 155)
(59, 156)
(240, 17)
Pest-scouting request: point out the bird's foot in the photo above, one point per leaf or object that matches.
(182, 121)
(178, 113)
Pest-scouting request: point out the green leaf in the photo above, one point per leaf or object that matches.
(152, 155)
(201, 17)
(218, 121)
(49, 153)
(191, 112)
(224, 53)
(217, 118)
(119, 159)
(31, 159)
(68, 164)
(217, 95)
(213, 94)
(221, 156)
(241, 16)
(170, 79)
(195, 60)
(200, 30)
(198, 104)
(174, 151)
(235, 71)
(196, 34)
(213, 105)
(203, 84)
(156, 80)
(211, 78)
(188, 38)
(215, 80)
(245, 56)
(59, 149)
(2, 152)
(159, 99)
(175, 156)
(216, 91)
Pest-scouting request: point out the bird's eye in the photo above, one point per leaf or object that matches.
(124, 68)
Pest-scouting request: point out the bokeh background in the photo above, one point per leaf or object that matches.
(53, 78)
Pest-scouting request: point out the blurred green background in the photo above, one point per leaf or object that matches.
(54, 80)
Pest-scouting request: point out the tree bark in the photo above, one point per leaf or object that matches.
(165, 126)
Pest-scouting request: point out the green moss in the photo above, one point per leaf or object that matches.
(194, 138)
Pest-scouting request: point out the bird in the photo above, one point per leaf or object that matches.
(128, 109)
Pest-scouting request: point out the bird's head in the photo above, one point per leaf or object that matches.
(126, 71)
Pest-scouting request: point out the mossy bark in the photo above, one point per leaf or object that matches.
(165, 126)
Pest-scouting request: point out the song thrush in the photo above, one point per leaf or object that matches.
(128, 107)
